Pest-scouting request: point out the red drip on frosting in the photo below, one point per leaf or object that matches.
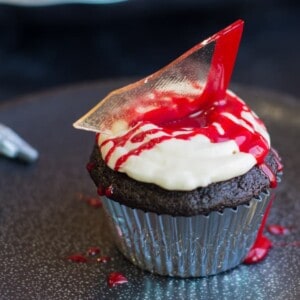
(209, 110)
(227, 113)
(268, 170)
(116, 278)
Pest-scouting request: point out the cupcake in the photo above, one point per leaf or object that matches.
(184, 174)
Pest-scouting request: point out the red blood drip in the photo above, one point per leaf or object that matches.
(218, 115)
(278, 229)
(93, 251)
(101, 190)
(109, 191)
(103, 259)
(116, 278)
(259, 250)
(78, 258)
(90, 166)
(199, 119)
(268, 171)
(94, 202)
(262, 244)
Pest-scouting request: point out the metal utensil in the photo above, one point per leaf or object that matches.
(13, 146)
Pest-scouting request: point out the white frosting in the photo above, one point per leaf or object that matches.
(180, 164)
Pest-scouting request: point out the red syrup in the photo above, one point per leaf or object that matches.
(102, 191)
(199, 112)
(116, 278)
(203, 113)
(77, 258)
(259, 250)
(262, 244)
(109, 191)
(276, 229)
(270, 174)
(197, 123)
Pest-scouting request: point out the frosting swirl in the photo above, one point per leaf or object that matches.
(222, 140)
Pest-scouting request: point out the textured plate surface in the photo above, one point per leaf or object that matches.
(43, 218)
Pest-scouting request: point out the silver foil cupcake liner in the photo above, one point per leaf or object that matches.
(192, 246)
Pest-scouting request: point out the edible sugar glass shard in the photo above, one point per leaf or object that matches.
(202, 73)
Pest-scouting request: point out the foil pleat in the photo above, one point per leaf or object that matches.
(180, 246)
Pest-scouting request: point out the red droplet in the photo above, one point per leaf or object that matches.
(258, 251)
(94, 202)
(278, 229)
(90, 166)
(103, 259)
(101, 190)
(78, 258)
(93, 251)
(116, 278)
(109, 191)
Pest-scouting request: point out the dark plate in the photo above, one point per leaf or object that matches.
(43, 220)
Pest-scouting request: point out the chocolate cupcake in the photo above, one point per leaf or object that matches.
(184, 169)
(184, 232)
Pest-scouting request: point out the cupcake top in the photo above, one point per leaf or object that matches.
(178, 142)
(218, 141)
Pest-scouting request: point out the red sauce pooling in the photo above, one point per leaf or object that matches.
(116, 278)
(78, 258)
(259, 251)
(276, 229)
